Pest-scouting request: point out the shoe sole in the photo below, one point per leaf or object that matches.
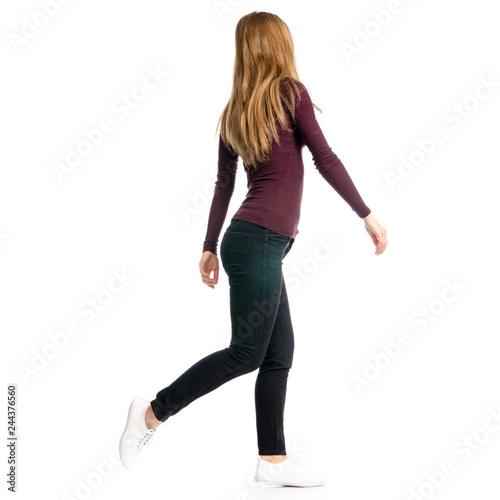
(122, 439)
(274, 483)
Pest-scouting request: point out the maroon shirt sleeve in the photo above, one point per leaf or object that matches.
(326, 161)
(223, 191)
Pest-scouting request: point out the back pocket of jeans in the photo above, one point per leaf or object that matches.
(234, 250)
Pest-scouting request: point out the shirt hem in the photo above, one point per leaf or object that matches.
(263, 223)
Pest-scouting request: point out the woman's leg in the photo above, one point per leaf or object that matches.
(251, 256)
(271, 383)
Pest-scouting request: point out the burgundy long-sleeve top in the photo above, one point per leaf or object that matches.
(275, 189)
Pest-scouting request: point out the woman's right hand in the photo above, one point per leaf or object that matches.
(376, 232)
(209, 262)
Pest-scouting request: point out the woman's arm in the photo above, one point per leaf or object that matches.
(325, 160)
(332, 169)
(223, 191)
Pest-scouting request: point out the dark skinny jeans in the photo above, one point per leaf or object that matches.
(261, 334)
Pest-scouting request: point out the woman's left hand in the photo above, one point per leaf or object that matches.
(377, 233)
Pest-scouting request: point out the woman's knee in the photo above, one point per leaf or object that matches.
(246, 358)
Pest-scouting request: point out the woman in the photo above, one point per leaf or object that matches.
(267, 121)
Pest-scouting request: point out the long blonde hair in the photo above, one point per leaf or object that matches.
(264, 61)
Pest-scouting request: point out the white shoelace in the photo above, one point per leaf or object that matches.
(146, 438)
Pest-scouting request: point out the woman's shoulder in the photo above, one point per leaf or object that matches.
(288, 81)
(292, 85)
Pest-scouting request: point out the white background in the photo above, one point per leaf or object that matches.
(124, 207)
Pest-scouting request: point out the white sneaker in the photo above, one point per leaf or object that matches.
(136, 434)
(290, 472)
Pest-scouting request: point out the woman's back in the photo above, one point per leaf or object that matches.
(275, 188)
